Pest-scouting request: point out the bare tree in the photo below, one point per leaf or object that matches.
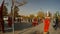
(17, 4)
(5, 11)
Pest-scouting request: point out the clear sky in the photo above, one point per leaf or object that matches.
(34, 6)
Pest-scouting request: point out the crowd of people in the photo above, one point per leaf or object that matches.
(47, 21)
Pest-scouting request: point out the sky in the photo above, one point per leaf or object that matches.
(34, 6)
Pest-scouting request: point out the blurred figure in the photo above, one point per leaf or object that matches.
(56, 23)
(9, 21)
(46, 23)
(1, 17)
(20, 20)
(35, 21)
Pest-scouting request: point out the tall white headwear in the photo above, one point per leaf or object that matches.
(47, 13)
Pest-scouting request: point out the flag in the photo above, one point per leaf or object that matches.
(1, 16)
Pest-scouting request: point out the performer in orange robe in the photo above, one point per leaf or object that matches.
(46, 24)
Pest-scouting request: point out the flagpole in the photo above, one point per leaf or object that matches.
(13, 15)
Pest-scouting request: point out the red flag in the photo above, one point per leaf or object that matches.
(1, 16)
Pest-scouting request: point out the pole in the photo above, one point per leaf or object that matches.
(13, 15)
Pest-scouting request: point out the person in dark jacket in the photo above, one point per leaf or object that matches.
(56, 23)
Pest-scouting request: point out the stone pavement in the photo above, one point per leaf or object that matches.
(39, 29)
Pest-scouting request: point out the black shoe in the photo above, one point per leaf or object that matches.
(47, 32)
(53, 26)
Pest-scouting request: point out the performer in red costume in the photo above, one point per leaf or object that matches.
(46, 23)
(35, 21)
(10, 21)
